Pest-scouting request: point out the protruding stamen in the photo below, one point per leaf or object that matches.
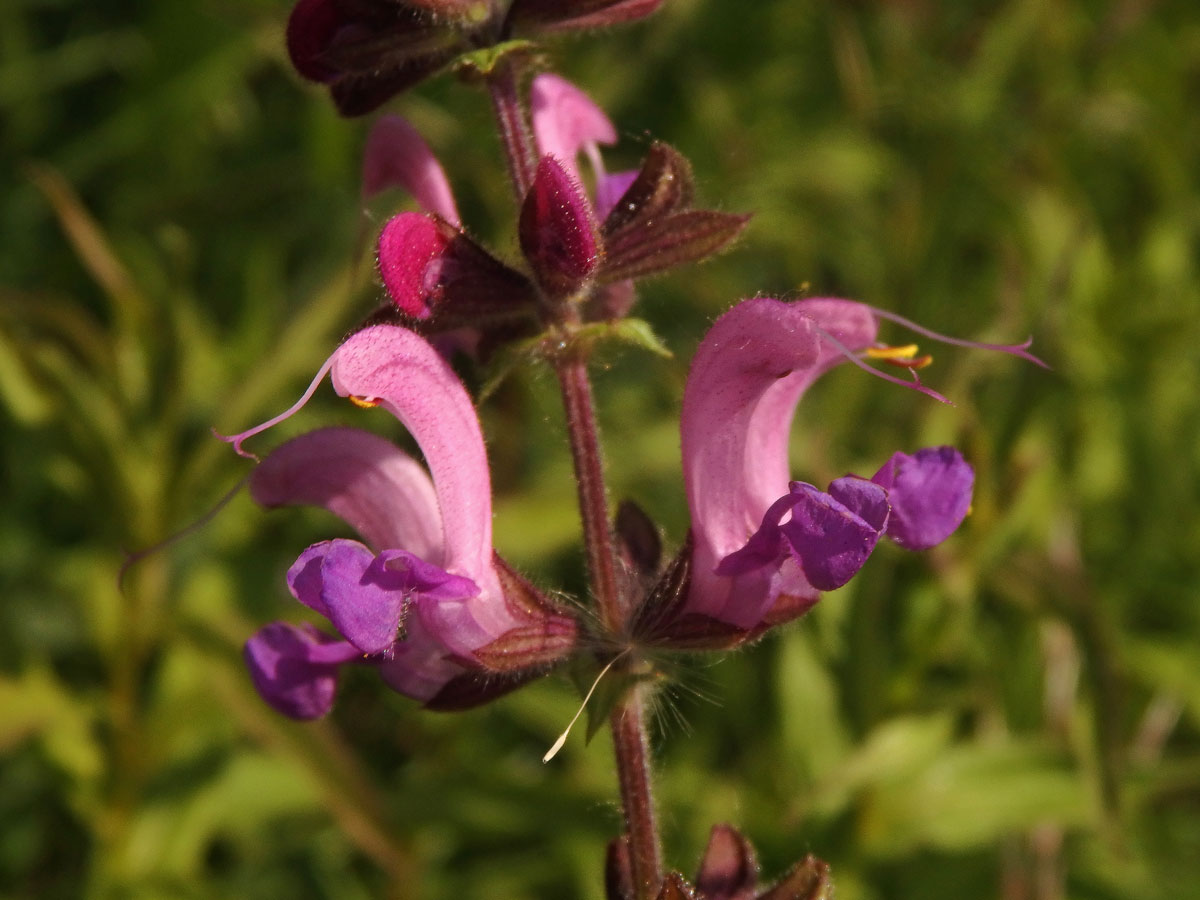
(364, 402)
(1014, 349)
(915, 384)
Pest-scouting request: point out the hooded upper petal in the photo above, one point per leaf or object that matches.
(398, 370)
(748, 374)
(567, 121)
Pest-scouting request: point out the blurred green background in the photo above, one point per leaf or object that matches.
(1014, 715)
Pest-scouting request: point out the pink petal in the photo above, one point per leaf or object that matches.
(748, 374)
(397, 156)
(566, 121)
(401, 372)
(376, 488)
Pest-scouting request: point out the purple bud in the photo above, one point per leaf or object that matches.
(558, 234)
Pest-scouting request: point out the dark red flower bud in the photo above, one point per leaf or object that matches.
(367, 51)
(618, 870)
(557, 231)
(729, 867)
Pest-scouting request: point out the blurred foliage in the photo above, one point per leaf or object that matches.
(1013, 715)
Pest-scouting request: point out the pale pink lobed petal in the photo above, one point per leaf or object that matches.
(610, 188)
(397, 156)
(745, 381)
(567, 121)
(420, 666)
(375, 487)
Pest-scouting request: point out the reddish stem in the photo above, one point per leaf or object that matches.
(520, 151)
(630, 742)
(584, 437)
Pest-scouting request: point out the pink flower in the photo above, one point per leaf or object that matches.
(764, 547)
(424, 598)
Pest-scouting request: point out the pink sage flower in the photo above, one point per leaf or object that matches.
(764, 547)
(424, 598)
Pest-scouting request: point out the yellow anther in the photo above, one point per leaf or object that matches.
(907, 351)
(904, 356)
(364, 402)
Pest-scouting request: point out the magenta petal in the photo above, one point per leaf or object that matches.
(409, 247)
(930, 493)
(830, 540)
(397, 155)
(376, 488)
(294, 668)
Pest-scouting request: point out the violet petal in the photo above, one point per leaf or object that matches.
(362, 600)
(295, 668)
(930, 493)
(831, 541)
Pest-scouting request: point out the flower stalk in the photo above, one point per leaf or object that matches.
(512, 125)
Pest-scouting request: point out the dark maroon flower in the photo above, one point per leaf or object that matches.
(367, 51)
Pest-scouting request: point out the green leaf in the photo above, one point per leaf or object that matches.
(481, 63)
